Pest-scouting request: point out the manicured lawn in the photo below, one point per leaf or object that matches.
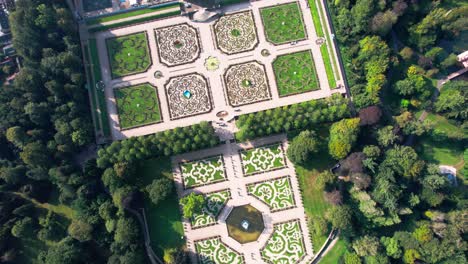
(328, 59)
(314, 203)
(295, 73)
(90, 84)
(137, 105)
(214, 203)
(444, 153)
(334, 255)
(283, 23)
(128, 54)
(97, 77)
(164, 220)
(175, 6)
(276, 193)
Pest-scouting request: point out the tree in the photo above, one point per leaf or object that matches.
(318, 225)
(343, 135)
(404, 161)
(361, 180)
(325, 180)
(382, 23)
(392, 247)
(339, 217)
(334, 197)
(80, 230)
(453, 99)
(369, 115)
(126, 231)
(386, 136)
(366, 246)
(159, 190)
(423, 233)
(23, 228)
(406, 53)
(35, 154)
(302, 147)
(17, 136)
(124, 170)
(66, 251)
(192, 204)
(351, 258)
(410, 256)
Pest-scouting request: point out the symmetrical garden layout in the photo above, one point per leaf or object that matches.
(257, 56)
(268, 198)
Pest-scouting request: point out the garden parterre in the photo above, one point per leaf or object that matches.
(210, 234)
(262, 159)
(138, 105)
(201, 172)
(128, 54)
(245, 74)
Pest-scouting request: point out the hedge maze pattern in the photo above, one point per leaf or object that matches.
(213, 250)
(276, 193)
(246, 83)
(236, 33)
(262, 159)
(177, 44)
(128, 54)
(202, 172)
(199, 101)
(295, 73)
(285, 245)
(137, 105)
(214, 203)
(283, 23)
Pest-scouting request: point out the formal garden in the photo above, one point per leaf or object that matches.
(236, 33)
(262, 159)
(188, 95)
(295, 73)
(214, 203)
(137, 106)
(283, 23)
(128, 54)
(285, 245)
(202, 172)
(276, 193)
(213, 250)
(178, 44)
(246, 83)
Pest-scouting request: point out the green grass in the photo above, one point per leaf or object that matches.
(137, 106)
(335, 254)
(90, 83)
(164, 220)
(132, 22)
(138, 12)
(331, 66)
(313, 200)
(283, 23)
(444, 153)
(295, 73)
(128, 54)
(97, 77)
(441, 123)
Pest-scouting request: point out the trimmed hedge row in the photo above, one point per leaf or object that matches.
(293, 117)
(166, 143)
(133, 21)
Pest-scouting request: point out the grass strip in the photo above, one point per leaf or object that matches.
(91, 91)
(138, 12)
(133, 21)
(335, 65)
(100, 93)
